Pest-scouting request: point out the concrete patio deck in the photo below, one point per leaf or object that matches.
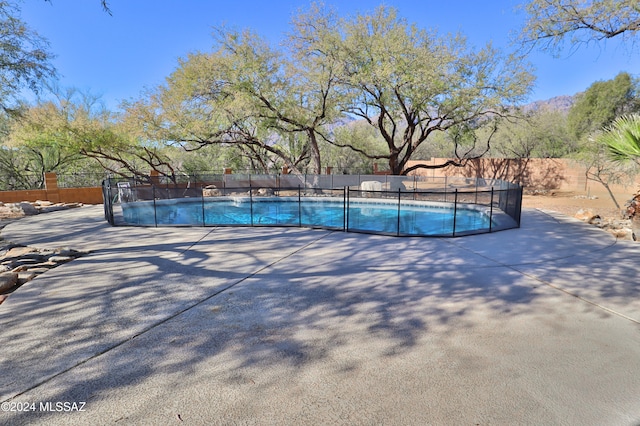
(537, 325)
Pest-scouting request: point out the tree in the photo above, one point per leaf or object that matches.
(24, 162)
(552, 22)
(410, 84)
(602, 102)
(24, 57)
(13, 167)
(595, 156)
(542, 134)
(244, 94)
(622, 139)
(357, 134)
(75, 124)
(405, 83)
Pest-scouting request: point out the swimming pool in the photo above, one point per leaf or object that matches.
(380, 216)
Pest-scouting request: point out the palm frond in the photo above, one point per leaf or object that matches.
(622, 138)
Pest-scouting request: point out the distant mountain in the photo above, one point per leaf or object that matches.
(559, 103)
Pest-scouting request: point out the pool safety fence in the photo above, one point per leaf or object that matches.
(379, 204)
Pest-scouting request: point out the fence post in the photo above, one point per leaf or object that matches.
(455, 210)
(398, 225)
(519, 210)
(445, 189)
(346, 226)
(344, 208)
(155, 213)
(204, 222)
(51, 187)
(107, 202)
(250, 201)
(476, 191)
(299, 209)
(506, 203)
(491, 211)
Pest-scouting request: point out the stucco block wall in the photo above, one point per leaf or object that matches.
(533, 173)
(88, 195)
(61, 195)
(18, 196)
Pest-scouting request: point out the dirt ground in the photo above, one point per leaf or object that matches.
(570, 202)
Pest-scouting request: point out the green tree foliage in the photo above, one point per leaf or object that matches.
(543, 134)
(75, 125)
(595, 155)
(24, 57)
(622, 139)
(211, 159)
(410, 84)
(13, 167)
(357, 134)
(551, 23)
(602, 102)
(246, 95)
(405, 83)
(23, 165)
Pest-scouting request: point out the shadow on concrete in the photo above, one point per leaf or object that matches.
(169, 302)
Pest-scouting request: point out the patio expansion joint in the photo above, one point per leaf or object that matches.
(514, 267)
(170, 317)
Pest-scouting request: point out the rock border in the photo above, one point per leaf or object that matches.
(619, 228)
(20, 264)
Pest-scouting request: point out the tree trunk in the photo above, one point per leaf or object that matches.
(395, 165)
(315, 152)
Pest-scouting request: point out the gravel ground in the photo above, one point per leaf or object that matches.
(569, 203)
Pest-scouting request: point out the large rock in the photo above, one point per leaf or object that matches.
(265, 192)
(621, 233)
(28, 209)
(25, 276)
(10, 211)
(371, 185)
(66, 251)
(19, 251)
(8, 280)
(211, 191)
(25, 261)
(60, 259)
(19, 264)
(586, 216)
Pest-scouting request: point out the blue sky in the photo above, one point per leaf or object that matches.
(117, 56)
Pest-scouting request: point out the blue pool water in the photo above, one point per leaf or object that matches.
(361, 215)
